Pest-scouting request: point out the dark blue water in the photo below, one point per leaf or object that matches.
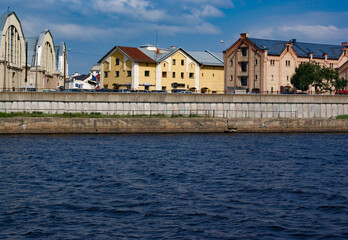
(174, 186)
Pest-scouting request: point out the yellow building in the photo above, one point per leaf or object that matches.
(151, 68)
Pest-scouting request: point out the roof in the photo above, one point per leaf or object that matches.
(3, 19)
(136, 54)
(207, 58)
(31, 49)
(302, 49)
(143, 54)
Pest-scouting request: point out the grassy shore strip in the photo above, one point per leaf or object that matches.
(90, 115)
(342, 117)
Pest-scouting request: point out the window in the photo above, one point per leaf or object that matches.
(182, 62)
(147, 73)
(231, 78)
(272, 78)
(244, 51)
(272, 62)
(173, 74)
(255, 62)
(164, 74)
(244, 81)
(182, 75)
(105, 74)
(117, 61)
(287, 63)
(202, 74)
(287, 48)
(213, 75)
(164, 64)
(287, 78)
(244, 66)
(255, 77)
(192, 75)
(174, 61)
(117, 74)
(331, 65)
(129, 73)
(164, 88)
(231, 63)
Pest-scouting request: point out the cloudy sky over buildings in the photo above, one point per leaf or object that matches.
(91, 28)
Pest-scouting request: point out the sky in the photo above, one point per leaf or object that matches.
(90, 28)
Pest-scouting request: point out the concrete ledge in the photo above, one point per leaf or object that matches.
(168, 125)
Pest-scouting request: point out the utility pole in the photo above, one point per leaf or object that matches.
(26, 62)
(5, 63)
(64, 54)
(37, 55)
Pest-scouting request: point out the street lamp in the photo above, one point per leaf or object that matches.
(225, 65)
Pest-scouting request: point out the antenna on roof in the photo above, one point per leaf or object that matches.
(157, 50)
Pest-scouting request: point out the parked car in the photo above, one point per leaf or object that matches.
(159, 91)
(185, 92)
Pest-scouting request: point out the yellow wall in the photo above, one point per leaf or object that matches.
(151, 79)
(111, 68)
(212, 78)
(178, 69)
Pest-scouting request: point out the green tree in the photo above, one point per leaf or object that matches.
(321, 78)
(305, 75)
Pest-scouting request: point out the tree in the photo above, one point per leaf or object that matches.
(305, 75)
(321, 78)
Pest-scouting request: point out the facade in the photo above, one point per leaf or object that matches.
(33, 63)
(151, 68)
(12, 52)
(262, 65)
(44, 63)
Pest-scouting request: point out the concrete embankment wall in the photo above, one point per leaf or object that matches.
(208, 105)
(167, 125)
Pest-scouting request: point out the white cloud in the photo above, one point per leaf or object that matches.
(210, 11)
(141, 9)
(217, 3)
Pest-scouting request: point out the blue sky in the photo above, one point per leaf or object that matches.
(91, 28)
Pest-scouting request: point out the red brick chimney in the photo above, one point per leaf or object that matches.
(244, 35)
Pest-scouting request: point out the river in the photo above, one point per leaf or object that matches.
(188, 186)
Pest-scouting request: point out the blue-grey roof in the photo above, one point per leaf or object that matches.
(207, 58)
(153, 54)
(276, 47)
(31, 49)
(3, 19)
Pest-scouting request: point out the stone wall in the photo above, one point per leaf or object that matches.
(167, 125)
(208, 105)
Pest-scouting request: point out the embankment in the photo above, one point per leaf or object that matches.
(43, 125)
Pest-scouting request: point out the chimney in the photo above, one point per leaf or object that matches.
(244, 35)
(172, 47)
(310, 56)
(325, 56)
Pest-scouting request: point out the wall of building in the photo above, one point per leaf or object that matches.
(208, 105)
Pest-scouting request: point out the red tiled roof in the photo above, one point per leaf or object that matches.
(136, 54)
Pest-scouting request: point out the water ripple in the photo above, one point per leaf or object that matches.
(243, 186)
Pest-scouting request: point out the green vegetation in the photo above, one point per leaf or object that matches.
(93, 115)
(320, 77)
(342, 117)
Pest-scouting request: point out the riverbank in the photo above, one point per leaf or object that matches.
(49, 125)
